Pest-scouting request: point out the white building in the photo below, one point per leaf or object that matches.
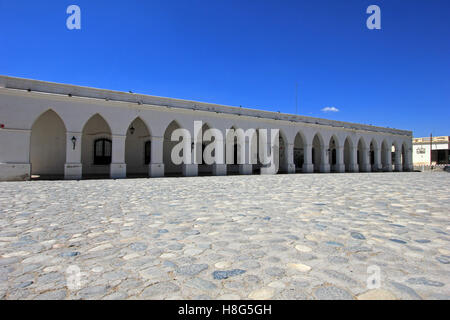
(66, 131)
(435, 153)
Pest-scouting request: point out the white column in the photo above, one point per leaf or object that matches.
(340, 165)
(220, 169)
(388, 160)
(118, 168)
(365, 159)
(308, 166)
(156, 166)
(325, 161)
(409, 163)
(398, 160)
(290, 158)
(271, 168)
(354, 167)
(377, 166)
(247, 167)
(73, 168)
(190, 169)
(15, 154)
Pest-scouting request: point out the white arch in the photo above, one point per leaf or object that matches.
(48, 145)
(96, 131)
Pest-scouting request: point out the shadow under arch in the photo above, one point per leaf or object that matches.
(404, 155)
(96, 148)
(373, 150)
(333, 144)
(317, 148)
(283, 153)
(361, 153)
(48, 146)
(299, 151)
(385, 155)
(203, 168)
(232, 168)
(138, 149)
(348, 145)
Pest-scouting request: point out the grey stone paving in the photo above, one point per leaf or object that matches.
(237, 237)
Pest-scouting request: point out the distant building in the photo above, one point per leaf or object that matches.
(439, 147)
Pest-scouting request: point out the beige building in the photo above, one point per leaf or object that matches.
(70, 132)
(431, 152)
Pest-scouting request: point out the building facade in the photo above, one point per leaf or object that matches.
(51, 130)
(431, 151)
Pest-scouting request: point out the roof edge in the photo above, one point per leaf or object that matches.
(9, 82)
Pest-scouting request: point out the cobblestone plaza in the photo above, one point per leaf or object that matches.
(317, 236)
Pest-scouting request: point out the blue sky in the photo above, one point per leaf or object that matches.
(247, 52)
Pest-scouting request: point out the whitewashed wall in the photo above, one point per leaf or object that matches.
(20, 109)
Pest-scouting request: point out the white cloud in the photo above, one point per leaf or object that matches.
(330, 109)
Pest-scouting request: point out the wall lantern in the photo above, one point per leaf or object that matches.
(74, 141)
(132, 129)
(192, 146)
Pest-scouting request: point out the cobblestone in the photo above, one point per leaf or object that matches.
(238, 237)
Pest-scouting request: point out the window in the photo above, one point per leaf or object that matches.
(148, 148)
(102, 151)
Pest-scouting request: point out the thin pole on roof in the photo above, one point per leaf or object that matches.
(296, 98)
(431, 147)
